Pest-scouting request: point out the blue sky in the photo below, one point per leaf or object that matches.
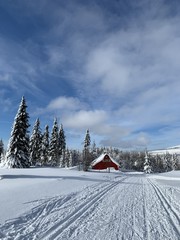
(110, 66)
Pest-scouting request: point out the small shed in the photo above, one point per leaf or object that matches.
(104, 161)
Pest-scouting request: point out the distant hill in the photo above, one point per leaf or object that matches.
(170, 150)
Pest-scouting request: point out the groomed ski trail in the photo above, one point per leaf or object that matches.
(130, 207)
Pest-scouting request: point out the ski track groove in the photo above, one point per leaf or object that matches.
(113, 223)
(29, 222)
(55, 231)
(140, 201)
(145, 214)
(170, 210)
(30, 225)
(121, 224)
(129, 207)
(100, 215)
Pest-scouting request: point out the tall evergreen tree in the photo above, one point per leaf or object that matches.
(74, 157)
(62, 147)
(18, 148)
(94, 150)
(54, 156)
(70, 158)
(87, 143)
(175, 162)
(67, 158)
(45, 146)
(147, 164)
(168, 162)
(159, 164)
(62, 140)
(87, 140)
(1, 150)
(35, 144)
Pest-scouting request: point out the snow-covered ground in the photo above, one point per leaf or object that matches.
(53, 203)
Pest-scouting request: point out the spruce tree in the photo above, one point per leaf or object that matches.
(147, 164)
(87, 142)
(45, 146)
(175, 162)
(76, 158)
(70, 158)
(62, 140)
(168, 162)
(159, 163)
(1, 150)
(62, 147)
(94, 150)
(67, 158)
(35, 144)
(54, 146)
(18, 148)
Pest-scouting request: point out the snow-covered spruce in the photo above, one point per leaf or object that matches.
(18, 148)
(86, 152)
(147, 164)
(45, 146)
(35, 144)
(54, 151)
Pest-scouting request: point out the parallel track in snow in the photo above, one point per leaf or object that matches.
(27, 225)
(55, 232)
(174, 215)
(129, 207)
(146, 224)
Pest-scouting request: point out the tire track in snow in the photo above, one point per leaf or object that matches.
(60, 227)
(169, 209)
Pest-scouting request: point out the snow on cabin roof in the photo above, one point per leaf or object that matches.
(101, 157)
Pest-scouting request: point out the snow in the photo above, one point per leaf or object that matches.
(174, 147)
(170, 150)
(55, 203)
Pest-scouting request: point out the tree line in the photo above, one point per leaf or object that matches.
(40, 149)
(49, 149)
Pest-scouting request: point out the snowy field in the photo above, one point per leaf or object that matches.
(52, 203)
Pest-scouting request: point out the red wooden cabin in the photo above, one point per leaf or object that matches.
(104, 161)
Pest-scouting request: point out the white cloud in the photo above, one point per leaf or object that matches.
(65, 103)
(85, 119)
(140, 141)
(106, 65)
(137, 58)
